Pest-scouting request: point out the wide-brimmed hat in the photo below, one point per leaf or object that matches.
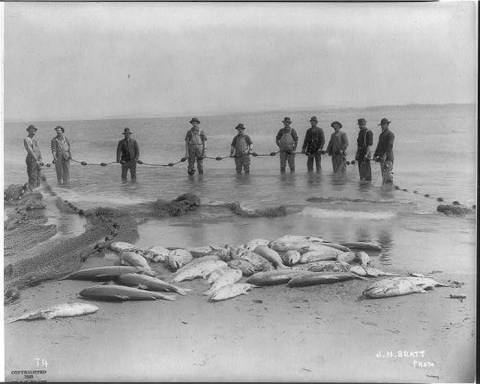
(362, 121)
(240, 126)
(336, 123)
(314, 118)
(384, 121)
(194, 120)
(127, 130)
(59, 127)
(286, 120)
(32, 127)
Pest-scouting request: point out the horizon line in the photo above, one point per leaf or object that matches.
(209, 114)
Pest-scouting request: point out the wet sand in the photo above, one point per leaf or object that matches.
(319, 333)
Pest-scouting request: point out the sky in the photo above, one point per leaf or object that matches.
(98, 60)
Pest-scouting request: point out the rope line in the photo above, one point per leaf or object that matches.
(254, 154)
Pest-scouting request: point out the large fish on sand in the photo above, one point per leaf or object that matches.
(200, 251)
(314, 278)
(177, 258)
(150, 283)
(270, 255)
(121, 246)
(293, 242)
(157, 254)
(229, 276)
(102, 273)
(324, 266)
(252, 244)
(259, 262)
(134, 259)
(290, 257)
(247, 268)
(363, 245)
(273, 277)
(399, 286)
(121, 293)
(200, 267)
(320, 253)
(60, 310)
(231, 290)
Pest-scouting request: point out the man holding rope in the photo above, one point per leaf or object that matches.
(287, 140)
(240, 149)
(127, 155)
(313, 145)
(34, 158)
(384, 151)
(60, 147)
(364, 145)
(195, 147)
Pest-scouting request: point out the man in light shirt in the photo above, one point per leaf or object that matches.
(34, 158)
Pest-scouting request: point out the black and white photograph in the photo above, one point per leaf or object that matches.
(239, 191)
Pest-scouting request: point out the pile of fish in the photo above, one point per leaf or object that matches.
(296, 261)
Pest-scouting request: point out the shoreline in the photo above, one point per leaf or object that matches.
(272, 333)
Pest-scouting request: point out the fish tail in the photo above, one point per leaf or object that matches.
(13, 320)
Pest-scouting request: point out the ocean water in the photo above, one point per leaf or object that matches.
(435, 153)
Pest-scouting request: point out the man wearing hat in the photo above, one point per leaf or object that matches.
(195, 147)
(336, 148)
(240, 149)
(364, 145)
(313, 145)
(34, 158)
(384, 151)
(60, 147)
(287, 140)
(128, 154)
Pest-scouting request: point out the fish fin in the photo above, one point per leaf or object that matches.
(122, 298)
(142, 286)
(13, 320)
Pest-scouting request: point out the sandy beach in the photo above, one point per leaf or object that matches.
(318, 333)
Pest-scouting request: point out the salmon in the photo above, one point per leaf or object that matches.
(177, 258)
(149, 283)
(399, 286)
(259, 262)
(313, 278)
(157, 254)
(270, 255)
(200, 251)
(134, 259)
(229, 276)
(252, 244)
(324, 266)
(60, 310)
(101, 273)
(243, 265)
(319, 253)
(273, 277)
(121, 293)
(290, 257)
(231, 290)
(200, 267)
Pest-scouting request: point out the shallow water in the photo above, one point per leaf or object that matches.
(435, 153)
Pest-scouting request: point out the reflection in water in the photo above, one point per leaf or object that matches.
(362, 234)
(385, 239)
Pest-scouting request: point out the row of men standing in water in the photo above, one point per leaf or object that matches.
(128, 152)
(287, 142)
